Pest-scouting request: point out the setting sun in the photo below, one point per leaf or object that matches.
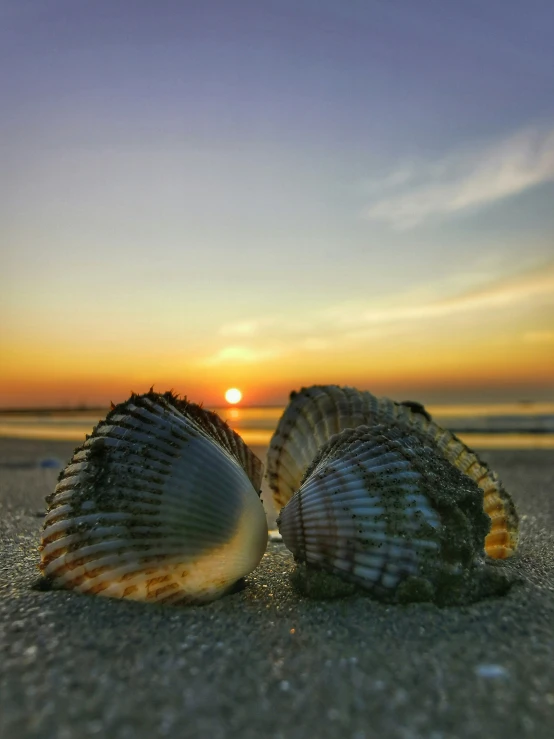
(233, 395)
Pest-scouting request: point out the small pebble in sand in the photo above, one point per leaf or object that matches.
(491, 671)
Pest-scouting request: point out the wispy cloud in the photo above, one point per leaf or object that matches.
(539, 337)
(464, 180)
(247, 328)
(241, 355)
(502, 294)
(359, 323)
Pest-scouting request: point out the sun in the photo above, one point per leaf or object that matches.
(233, 395)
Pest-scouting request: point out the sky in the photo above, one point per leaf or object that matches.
(275, 193)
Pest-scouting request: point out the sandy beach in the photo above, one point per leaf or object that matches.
(265, 661)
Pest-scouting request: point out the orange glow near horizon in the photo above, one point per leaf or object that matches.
(426, 381)
(508, 371)
(493, 345)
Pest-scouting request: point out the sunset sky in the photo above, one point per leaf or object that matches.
(269, 193)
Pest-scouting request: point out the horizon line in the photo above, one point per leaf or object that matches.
(104, 408)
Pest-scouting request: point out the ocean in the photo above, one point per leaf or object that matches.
(523, 425)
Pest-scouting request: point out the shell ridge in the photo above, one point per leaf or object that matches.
(381, 523)
(290, 463)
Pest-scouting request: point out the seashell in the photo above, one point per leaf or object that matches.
(161, 503)
(380, 508)
(316, 413)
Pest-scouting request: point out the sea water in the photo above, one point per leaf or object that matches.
(525, 425)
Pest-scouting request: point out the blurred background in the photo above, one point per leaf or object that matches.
(264, 195)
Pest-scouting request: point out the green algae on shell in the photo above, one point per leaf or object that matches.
(161, 503)
(315, 413)
(380, 509)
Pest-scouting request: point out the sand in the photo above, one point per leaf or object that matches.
(264, 661)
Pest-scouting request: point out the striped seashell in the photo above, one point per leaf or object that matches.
(161, 503)
(314, 414)
(381, 509)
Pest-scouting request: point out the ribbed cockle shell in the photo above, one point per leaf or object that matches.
(161, 503)
(382, 510)
(314, 414)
